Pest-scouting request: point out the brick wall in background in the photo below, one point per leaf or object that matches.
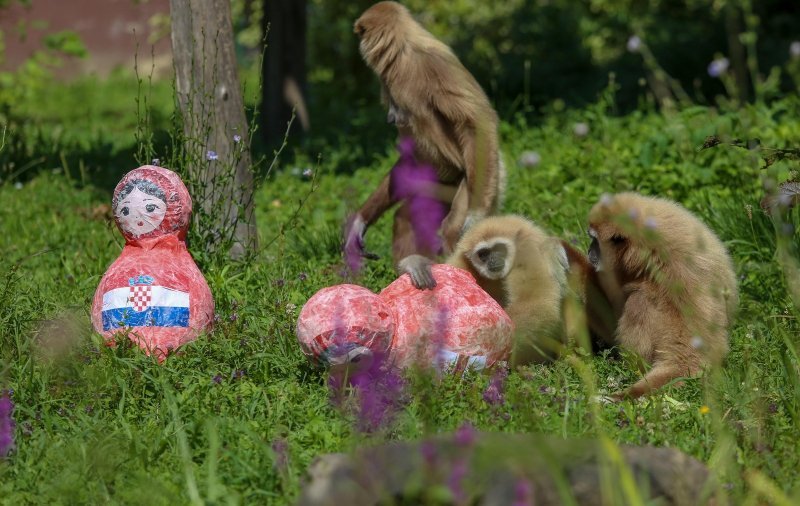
(110, 30)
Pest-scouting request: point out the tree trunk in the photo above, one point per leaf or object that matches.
(214, 124)
(738, 53)
(284, 71)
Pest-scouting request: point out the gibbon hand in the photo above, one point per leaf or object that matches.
(354, 238)
(420, 269)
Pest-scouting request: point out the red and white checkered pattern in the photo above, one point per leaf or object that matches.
(141, 295)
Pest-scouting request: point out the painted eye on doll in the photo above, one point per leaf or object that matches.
(125, 211)
(150, 208)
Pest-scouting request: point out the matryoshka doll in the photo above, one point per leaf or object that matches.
(154, 292)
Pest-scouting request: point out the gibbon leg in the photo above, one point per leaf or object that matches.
(539, 336)
(539, 345)
(378, 202)
(403, 238)
(661, 374)
(652, 330)
(453, 224)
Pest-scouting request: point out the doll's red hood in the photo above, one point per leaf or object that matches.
(169, 187)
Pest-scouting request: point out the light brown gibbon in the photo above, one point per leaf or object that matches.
(432, 98)
(670, 282)
(525, 270)
(589, 316)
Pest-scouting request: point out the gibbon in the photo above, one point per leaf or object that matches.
(525, 271)
(670, 282)
(432, 98)
(591, 314)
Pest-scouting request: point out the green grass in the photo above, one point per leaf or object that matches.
(98, 424)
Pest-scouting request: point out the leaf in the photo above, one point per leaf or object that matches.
(68, 42)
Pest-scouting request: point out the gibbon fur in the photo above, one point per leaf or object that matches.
(524, 270)
(431, 97)
(670, 281)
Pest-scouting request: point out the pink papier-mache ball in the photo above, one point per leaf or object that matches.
(457, 324)
(340, 321)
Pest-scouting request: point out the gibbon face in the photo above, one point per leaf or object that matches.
(494, 246)
(634, 236)
(491, 244)
(493, 258)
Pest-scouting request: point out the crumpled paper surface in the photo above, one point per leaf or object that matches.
(457, 324)
(153, 293)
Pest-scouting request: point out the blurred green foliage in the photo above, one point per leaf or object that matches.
(533, 57)
(532, 52)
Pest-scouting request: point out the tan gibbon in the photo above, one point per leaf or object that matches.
(670, 282)
(432, 98)
(525, 271)
(589, 317)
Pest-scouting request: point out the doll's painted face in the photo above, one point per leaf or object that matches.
(139, 213)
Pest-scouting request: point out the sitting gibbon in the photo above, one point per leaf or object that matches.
(523, 269)
(669, 281)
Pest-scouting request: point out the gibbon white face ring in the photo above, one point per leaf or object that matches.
(493, 258)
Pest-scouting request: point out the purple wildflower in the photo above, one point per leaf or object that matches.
(455, 481)
(6, 425)
(237, 138)
(308, 172)
(280, 282)
(280, 447)
(794, 49)
(233, 317)
(493, 395)
(217, 379)
(530, 159)
(302, 276)
(416, 183)
(634, 43)
(380, 392)
(156, 162)
(211, 155)
(465, 435)
(523, 493)
(429, 452)
(580, 129)
(718, 67)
